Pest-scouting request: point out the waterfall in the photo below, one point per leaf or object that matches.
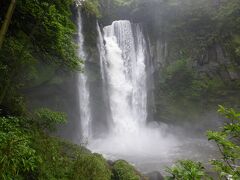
(83, 89)
(123, 62)
(125, 71)
(125, 85)
(102, 54)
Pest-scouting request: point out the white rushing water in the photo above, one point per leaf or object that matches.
(123, 66)
(126, 78)
(83, 89)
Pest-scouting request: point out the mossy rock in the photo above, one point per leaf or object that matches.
(122, 170)
(91, 167)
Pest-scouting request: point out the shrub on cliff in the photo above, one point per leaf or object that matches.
(17, 157)
(91, 166)
(124, 171)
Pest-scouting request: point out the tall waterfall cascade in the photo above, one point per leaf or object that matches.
(126, 76)
(123, 60)
(83, 89)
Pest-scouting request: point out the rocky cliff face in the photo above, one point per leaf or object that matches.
(211, 78)
(216, 62)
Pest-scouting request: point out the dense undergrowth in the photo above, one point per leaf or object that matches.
(27, 152)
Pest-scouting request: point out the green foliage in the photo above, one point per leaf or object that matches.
(179, 79)
(235, 42)
(227, 16)
(47, 119)
(124, 171)
(186, 170)
(228, 20)
(91, 166)
(176, 68)
(92, 8)
(227, 141)
(181, 91)
(206, 85)
(41, 32)
(16, 62)
(27, 152)
(195, 26)
(51, 23)
(55, 164)
(17, 157)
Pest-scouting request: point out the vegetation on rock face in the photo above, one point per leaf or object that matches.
(200, 67)
(227, 140)
(40, 33)
(124, 171)
(48, 119)
(92, 7)
(47, 21)
(91, 166)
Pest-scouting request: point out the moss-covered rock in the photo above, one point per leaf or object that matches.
(91, 167)
(122, 170)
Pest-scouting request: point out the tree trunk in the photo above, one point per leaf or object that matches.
(7, 21)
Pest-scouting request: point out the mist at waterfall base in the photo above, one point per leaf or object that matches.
(123, 62)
